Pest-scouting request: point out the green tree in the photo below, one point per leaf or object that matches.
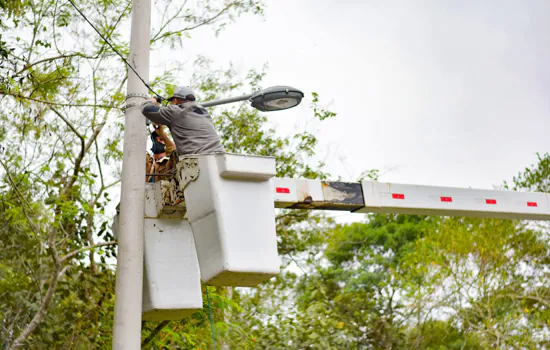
(399, 281)
(535, 178)
(343, 291)
(61, 129)
(489, 278)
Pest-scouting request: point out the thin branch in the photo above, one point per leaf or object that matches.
(114, 183)
(94, 136)
(163, 26)
(89, 234)
(41, 313)
(69, 124)
(76, 252)
(49, 59)
(203, 23)
(14, 186)
(29, 220)
(35, 30)
(522, 297)
(50, 103)
(63, 270)
(39, 316)
(154, 333)
(99, 166)
(80, 157)
(35, 277)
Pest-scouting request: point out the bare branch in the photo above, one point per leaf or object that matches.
(165, 24)
(203, 23)
(80, 157)
(89, 234)
(101, 177)
(14, 186)
(41, 313)
(76, 252)
(523, 297)
(154, 333)
(49, 59)
(50, 103)
(69, 124)
(39, 316)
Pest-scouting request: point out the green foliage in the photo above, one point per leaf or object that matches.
(535, 178)
(320, 112)
(62, 132)
(371, 175)
(394, 281)
(484, 272)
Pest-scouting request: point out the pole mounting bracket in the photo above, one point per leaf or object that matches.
(129, 96)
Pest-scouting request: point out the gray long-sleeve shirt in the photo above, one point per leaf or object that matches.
(190, 125)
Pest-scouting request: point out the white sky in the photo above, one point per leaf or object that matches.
(451, 93)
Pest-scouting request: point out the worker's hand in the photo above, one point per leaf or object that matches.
(152, 100)
(159, 129)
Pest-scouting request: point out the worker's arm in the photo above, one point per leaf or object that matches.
(156, 114)
(170, 146)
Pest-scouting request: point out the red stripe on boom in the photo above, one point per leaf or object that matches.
(282, 190)
(532, 204)
(491, 201)
(398, 196)
(446, 199)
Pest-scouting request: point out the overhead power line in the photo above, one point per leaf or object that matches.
(115, 50)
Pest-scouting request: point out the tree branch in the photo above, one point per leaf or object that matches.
(89, 234)
(76, 252)
(49, 59)
(163, 26)
(14, 186)
(69, 124)
(39, 316)
(41, 313)
(154, 333)
(94, 136)
(50, 103)
(522, 297)
(203, 23)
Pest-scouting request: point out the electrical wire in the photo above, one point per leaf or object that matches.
(115, 51)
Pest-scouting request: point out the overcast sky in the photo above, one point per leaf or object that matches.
(452, 93)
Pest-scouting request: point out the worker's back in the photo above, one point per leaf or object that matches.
(190, 124)
(193, 130)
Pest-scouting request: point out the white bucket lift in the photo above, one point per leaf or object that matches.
(223, 231)
(230, 208)
(171, 278)
(216, 221)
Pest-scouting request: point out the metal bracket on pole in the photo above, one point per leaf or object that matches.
(129, 96)
(128, 106)
(132, 105)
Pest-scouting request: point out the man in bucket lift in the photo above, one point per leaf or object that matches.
(159, 165)
(190, 124)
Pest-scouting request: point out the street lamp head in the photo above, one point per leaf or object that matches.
(276, 98)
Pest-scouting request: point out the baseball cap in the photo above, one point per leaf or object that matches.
(183, 92)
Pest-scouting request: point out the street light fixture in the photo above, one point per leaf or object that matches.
(275, 98)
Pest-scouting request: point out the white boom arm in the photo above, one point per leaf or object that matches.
(381, 197)
(215, 221)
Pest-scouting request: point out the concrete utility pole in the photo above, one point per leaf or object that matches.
(129, 276)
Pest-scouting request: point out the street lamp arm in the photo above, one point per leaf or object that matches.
(226, 100)
(275, 98)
